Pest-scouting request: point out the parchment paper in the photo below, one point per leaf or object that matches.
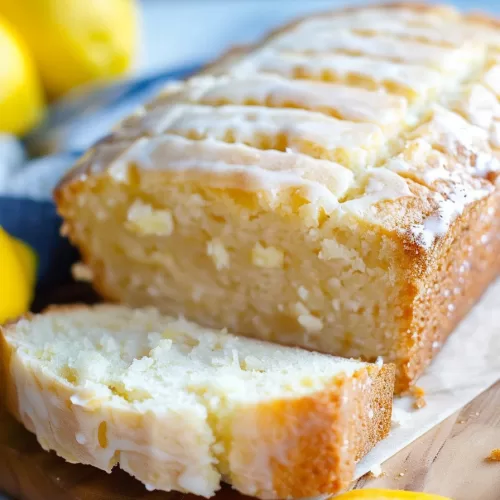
(467, 365)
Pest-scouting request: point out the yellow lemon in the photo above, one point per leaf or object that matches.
(28, 259)
(17, 277)
(76, 41)
(375, 494)
(21, 95)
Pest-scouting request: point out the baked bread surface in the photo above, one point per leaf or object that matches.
(334, 187)
(182, 408)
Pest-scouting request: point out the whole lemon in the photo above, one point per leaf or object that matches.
(21, 94)
(376, 494)
(27, 257)
(17, 276)
(76, 41)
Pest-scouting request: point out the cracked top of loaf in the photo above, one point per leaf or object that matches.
(389, 114)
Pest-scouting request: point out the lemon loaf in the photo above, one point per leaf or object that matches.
(334, 188)
(182, 408)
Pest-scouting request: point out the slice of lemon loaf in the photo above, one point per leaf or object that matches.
(335, 188)
(182, 408)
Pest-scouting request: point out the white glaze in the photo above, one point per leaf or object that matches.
(248, 124)
(380, 46)
(437, 225)
(407, 23)
(382, 185)
(252, 107)
(237, 166)
(417, 78)
(351, 103)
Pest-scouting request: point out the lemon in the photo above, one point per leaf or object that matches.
(28, 259)
(375, 494)
(21, 95)
(76, 41)
(17, 277)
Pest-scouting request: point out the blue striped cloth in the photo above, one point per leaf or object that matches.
(73, 125)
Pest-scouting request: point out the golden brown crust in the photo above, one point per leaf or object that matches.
(330, 430)
(315, 464)
(379, 398)
(462, 266)
(224, 60)
(383, 5)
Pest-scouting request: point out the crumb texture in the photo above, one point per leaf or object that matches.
(182, 408)
(352, 155)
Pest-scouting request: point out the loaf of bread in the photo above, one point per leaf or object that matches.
(182, 408)
(334, 188)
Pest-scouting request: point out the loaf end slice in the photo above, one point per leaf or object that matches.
(183, 408)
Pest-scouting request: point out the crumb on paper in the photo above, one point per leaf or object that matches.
(81, 272)
(400, 418)
(376, 471)
(418, 393)
(419, 403)
(494, 456)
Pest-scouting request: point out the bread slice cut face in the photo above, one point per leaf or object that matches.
(183, 408)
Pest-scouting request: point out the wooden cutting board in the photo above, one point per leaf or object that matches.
(449, 460)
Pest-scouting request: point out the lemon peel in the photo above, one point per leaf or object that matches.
(17, 276)
(22, 103)
(76, 41)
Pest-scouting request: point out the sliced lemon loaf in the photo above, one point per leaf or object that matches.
(183, 408)
(335, 187)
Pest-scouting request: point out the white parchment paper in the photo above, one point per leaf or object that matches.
(468, 364)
